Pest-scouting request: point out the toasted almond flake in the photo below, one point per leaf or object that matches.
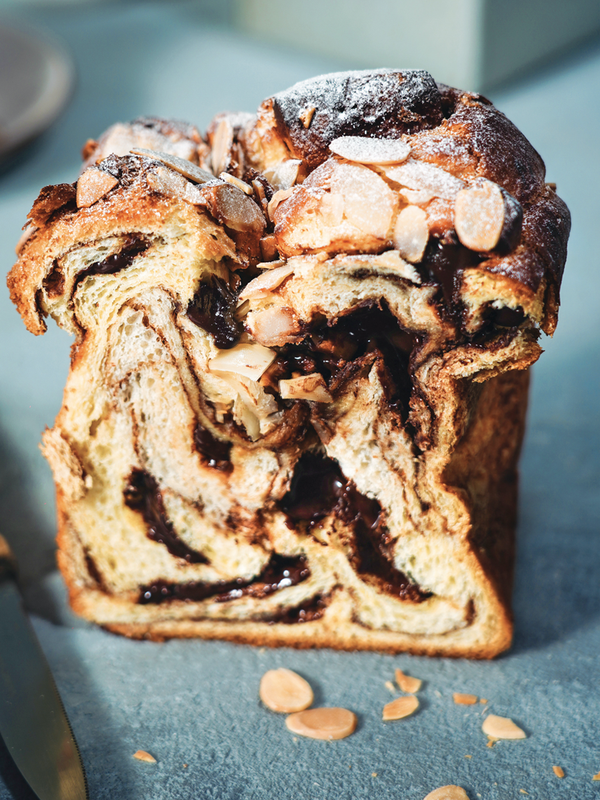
(450, 792)
(142, 755)
(425, 177)
(390, 687)
(306, 115)
(280, 262)
(278, 198)
(468, 756)
(464, 699)
(406, 682)
(558, 771)
(235, 209)
(491, 742)
(479, 215)
(411, 233)
(245, 187)
(322, 723)
(551, 185)
(596, 777)
(181, 165)
(502, 728)
(373, 774)
(221, 145)
(268, 248)
(523, 791)
(275, 326)
(416, 197)
(92, 185)
(249, 360)
(368, 202)
(28, 232)
(366, 150)
(267, 281)
(285, 691)
(400, 707)
(306, 387)
(173, 184)
(285, 174)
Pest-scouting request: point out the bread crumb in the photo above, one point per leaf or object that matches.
(389, 685)
(464, 699)
(142, 755)
(468, 756)
(373, 774)
(596, 777)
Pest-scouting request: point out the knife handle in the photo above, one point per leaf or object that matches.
(8, 563)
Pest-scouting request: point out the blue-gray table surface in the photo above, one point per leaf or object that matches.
(194, 705)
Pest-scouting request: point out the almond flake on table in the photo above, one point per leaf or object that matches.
(450, 792)
(464, 699)
(285, 691)
(558, 771)
(407, 683)
(502, 728)
(322, 723)
(400, 707)
(142, 755)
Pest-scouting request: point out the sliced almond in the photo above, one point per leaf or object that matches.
(416, 197)
(173, 184)
(92, 185)
(278, 198)
(28, 232)
(142, 755)
(464, 699)
(558, 771)
(450, 792)
(596, 777)
(181, 165)
(400, 707)
(322, 723)
(306, 115)
(406, 683)
(267, 281)
(221, 145)
(274, 327)
(422, 176)
(479, 216)
(369, 203)
(283, 690)
(249, 360)
(268, 247)
(235, 209)
(245, 187)
(411, 233)
(306, 387)
(284, 174)
(366, 150)
(502, 728)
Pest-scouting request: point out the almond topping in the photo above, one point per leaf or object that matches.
(274, 326)
(221, 145)
(306, 387)
(479, 216)
(268, 247)
(448, 793)
(366, 150)
(400, 707)
(142, 755)
(284, 691)
(181, 165)
(267, 281)
(245, 187)
(285, 174)
(306, 115)
(278, 198)
(406, 683)
(464, 699)
(558, 771)
(28, 232)
(502, 728)
(92, 185)
(322, 723)
(411, 233)
(420, 175)
(250, 360)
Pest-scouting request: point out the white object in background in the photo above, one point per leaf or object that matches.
(36, 79)
(471, 44)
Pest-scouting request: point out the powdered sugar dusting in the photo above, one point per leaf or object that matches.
(420, 175)
(366, 150)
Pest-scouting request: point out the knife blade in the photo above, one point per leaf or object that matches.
(33, 722)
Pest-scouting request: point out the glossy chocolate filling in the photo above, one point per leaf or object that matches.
(318, 489)
(212, 309)
(133, 245)
(306, 612)
(214, 451)
(329, 348)
(143, 495)
(280, 573)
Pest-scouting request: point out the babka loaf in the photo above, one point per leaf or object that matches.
(299, 376)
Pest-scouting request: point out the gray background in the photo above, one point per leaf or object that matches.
(196, 703)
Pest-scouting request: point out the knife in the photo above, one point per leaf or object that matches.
(33, 723)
